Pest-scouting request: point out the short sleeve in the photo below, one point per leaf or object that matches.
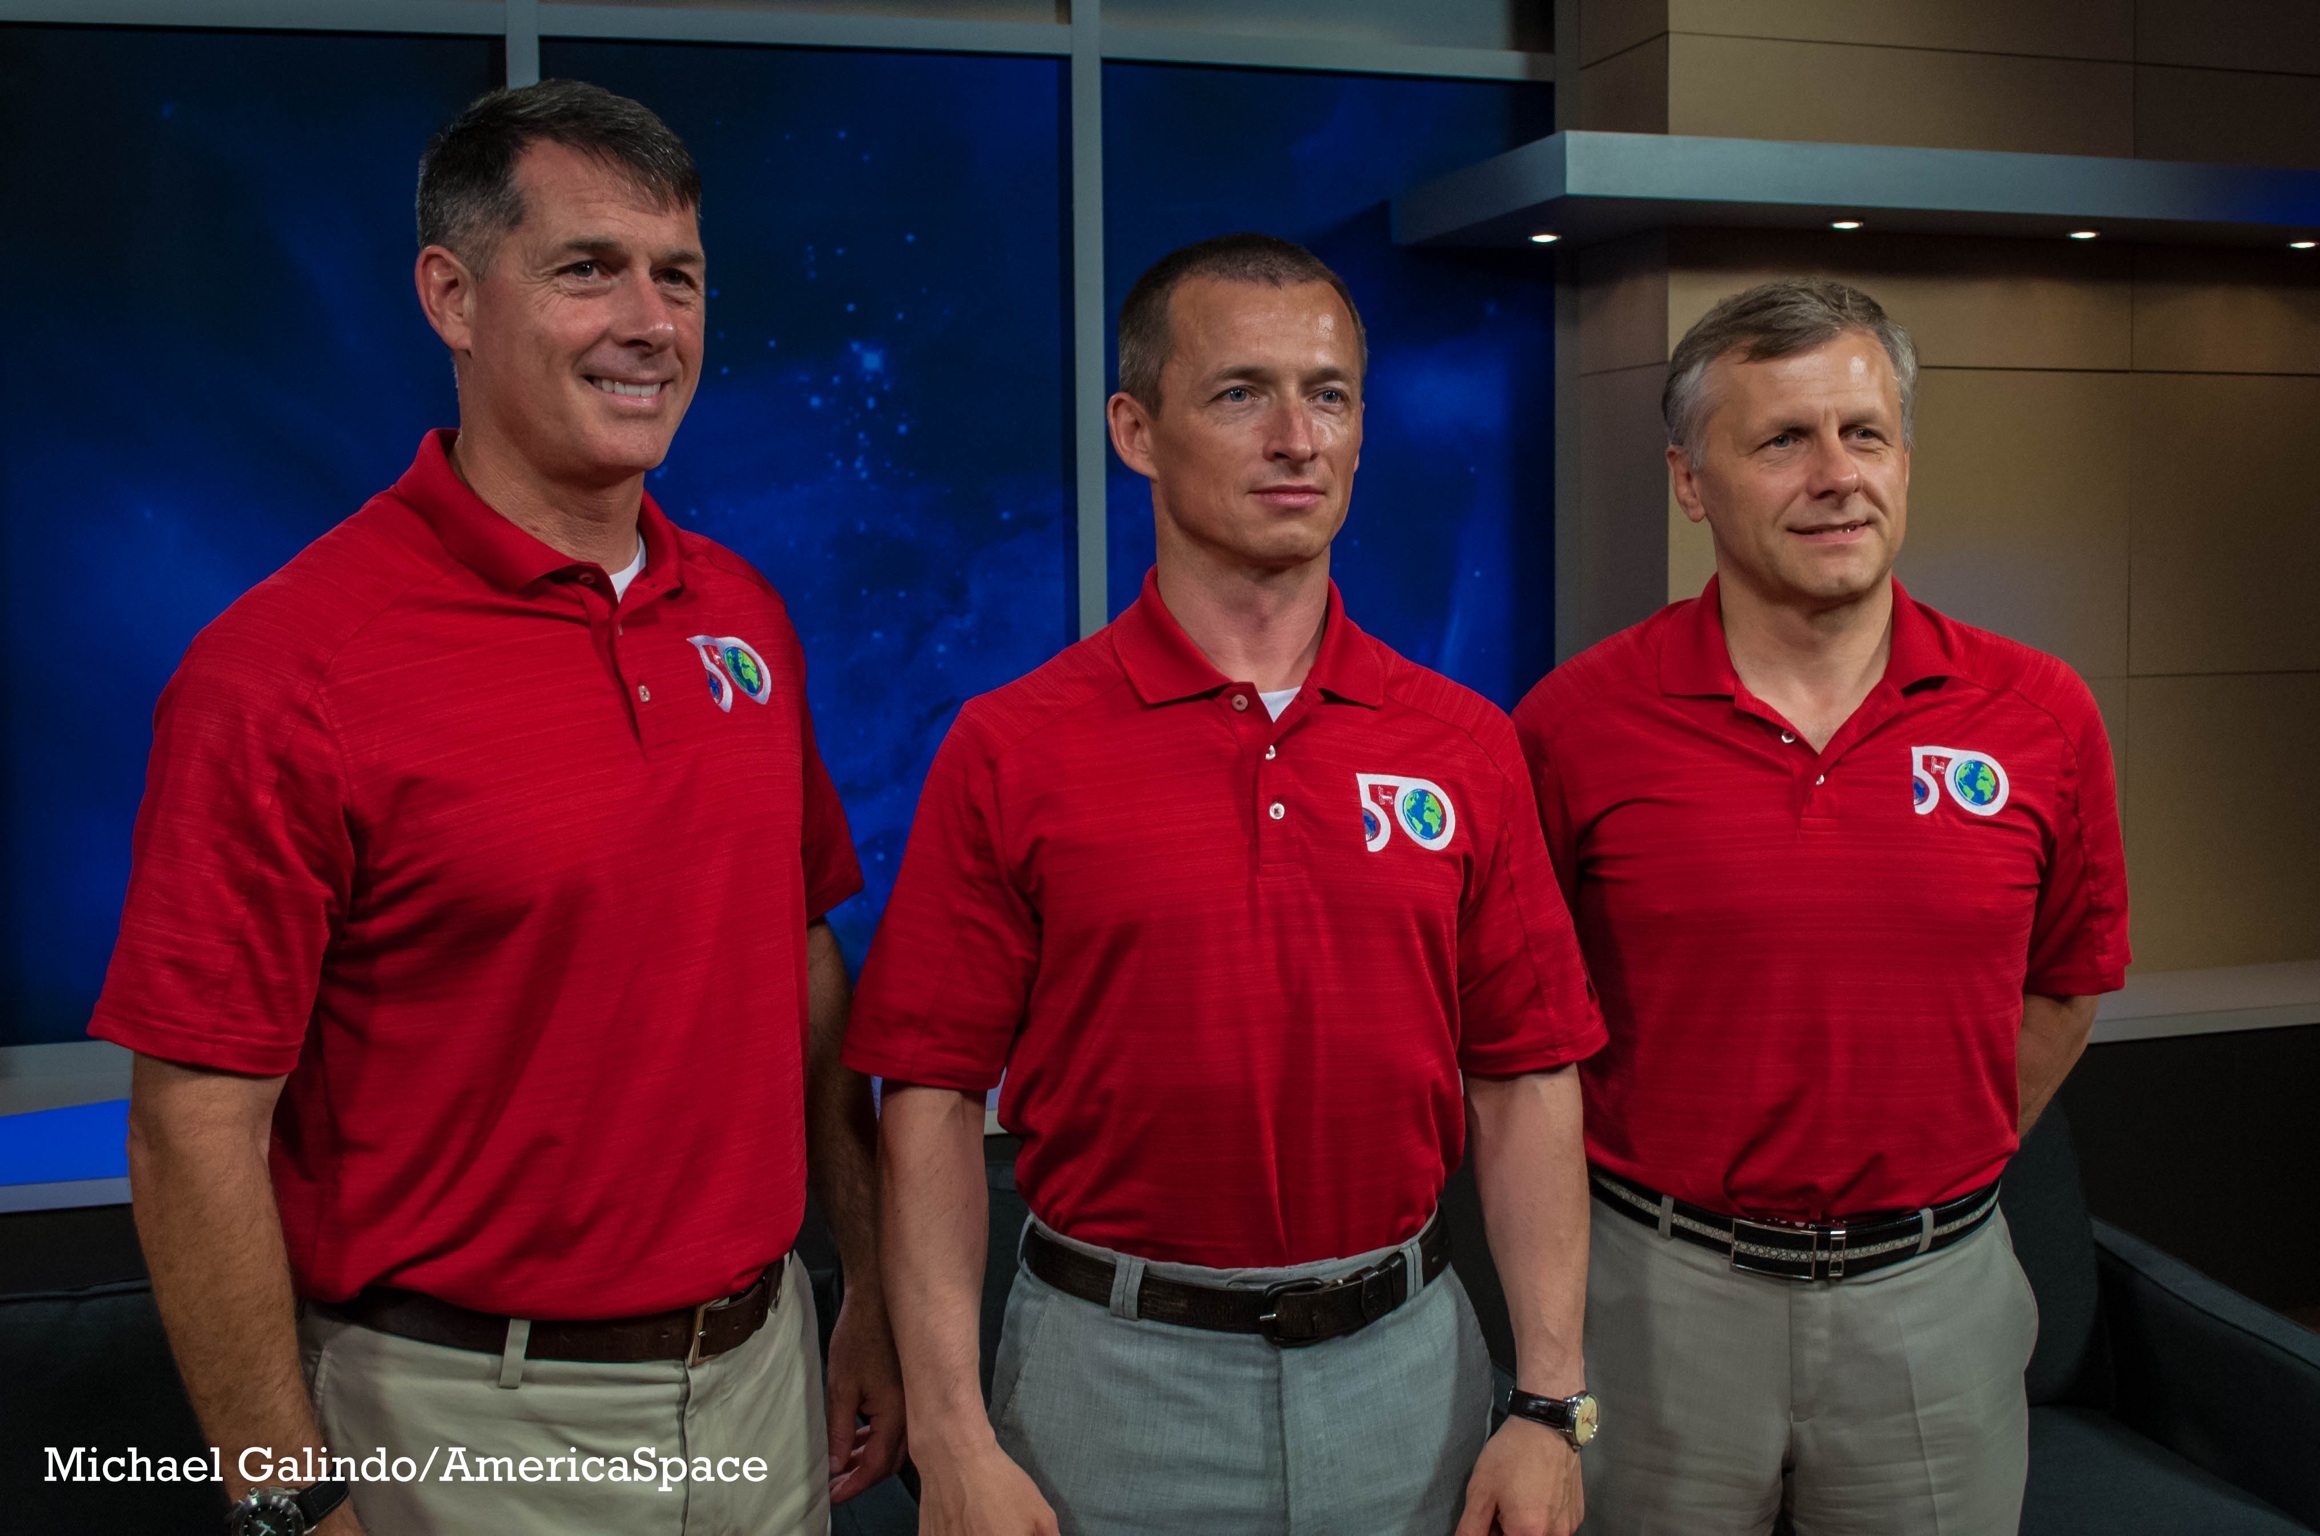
(949, 976)
(240, 869)
(1524, 1001)
(2078, 937)
(1554, 807)
(825, 842)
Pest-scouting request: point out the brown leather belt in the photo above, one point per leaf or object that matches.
(691, 1334)
(1291, 1314)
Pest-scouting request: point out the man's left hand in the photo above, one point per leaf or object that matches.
(1525, 1483)
(865, 1383)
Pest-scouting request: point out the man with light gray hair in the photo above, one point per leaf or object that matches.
(1848, 878)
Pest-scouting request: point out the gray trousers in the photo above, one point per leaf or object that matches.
(1132, 1427)
(1890, 1405)
(763, 1400)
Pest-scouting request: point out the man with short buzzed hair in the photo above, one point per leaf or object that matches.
(474, 960)
(1848, 877)
(1254, 917)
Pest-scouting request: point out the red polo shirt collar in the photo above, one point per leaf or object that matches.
(503, 554)
(1164, 666)
(1695, 661)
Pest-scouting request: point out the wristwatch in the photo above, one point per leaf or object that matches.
(1574, 1418)
(285, 1511)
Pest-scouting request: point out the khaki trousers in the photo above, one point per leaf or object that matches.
(734, 1445)
(1890, 1405)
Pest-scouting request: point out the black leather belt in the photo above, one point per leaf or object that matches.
(1289, 1315)
(1802, 1250)
(691, 1334)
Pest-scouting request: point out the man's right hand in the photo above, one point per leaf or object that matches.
(983, 1494)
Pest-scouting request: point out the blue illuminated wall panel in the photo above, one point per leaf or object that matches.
(230, 360)
(218, 357)
(1447, 555)
(884, 425)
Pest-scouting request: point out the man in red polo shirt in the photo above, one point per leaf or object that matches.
(1233, 895)
(1848, 876)
(484, 1014)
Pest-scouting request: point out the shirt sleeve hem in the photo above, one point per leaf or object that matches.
(1545, 1059)
(2076, 983)
(251, 1057)
(819, 904)
(872, 1062)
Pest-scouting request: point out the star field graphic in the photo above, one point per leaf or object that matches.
(230, 361)
(233, 361)
(883, 422)
(224, 359)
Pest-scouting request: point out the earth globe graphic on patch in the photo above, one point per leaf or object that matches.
(1422, 813)
(1974, 781)
(743, 666)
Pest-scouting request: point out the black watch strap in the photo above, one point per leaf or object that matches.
(317, 1500)
(1571, 1417)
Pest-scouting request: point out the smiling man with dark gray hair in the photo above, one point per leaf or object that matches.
(1848, 878)
(474, 955)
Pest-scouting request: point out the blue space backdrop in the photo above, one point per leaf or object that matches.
(230, 360)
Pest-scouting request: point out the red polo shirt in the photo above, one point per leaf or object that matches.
(1231, 967)
(513, 883)
(1812, 964)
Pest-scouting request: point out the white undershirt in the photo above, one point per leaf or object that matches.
(635, 568)
(1277, 700)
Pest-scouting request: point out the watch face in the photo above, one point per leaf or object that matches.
(1584, 1416)
(272, 1514)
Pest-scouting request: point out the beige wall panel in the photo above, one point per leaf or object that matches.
(2276, 35)
(1841, 93)
(1607, 27)
(2218, 310)
(2069, 29)
(2222, 821)
(2227, 116)
(1691, 556)
(2226, 525)
(2018, 508)
(1968, 303)
(1623, 304)
(1627, 93)
(1623, 496)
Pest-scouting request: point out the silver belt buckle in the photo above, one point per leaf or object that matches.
(1822, 1255)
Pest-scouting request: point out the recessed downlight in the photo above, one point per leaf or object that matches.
(2084, 234)
(1544, 238)
(2302, 245)
(1844, 223)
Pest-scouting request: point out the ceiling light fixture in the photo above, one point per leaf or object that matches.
(2084, 234)
(1543, 238)
(1844, 223)
(2301, 245)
